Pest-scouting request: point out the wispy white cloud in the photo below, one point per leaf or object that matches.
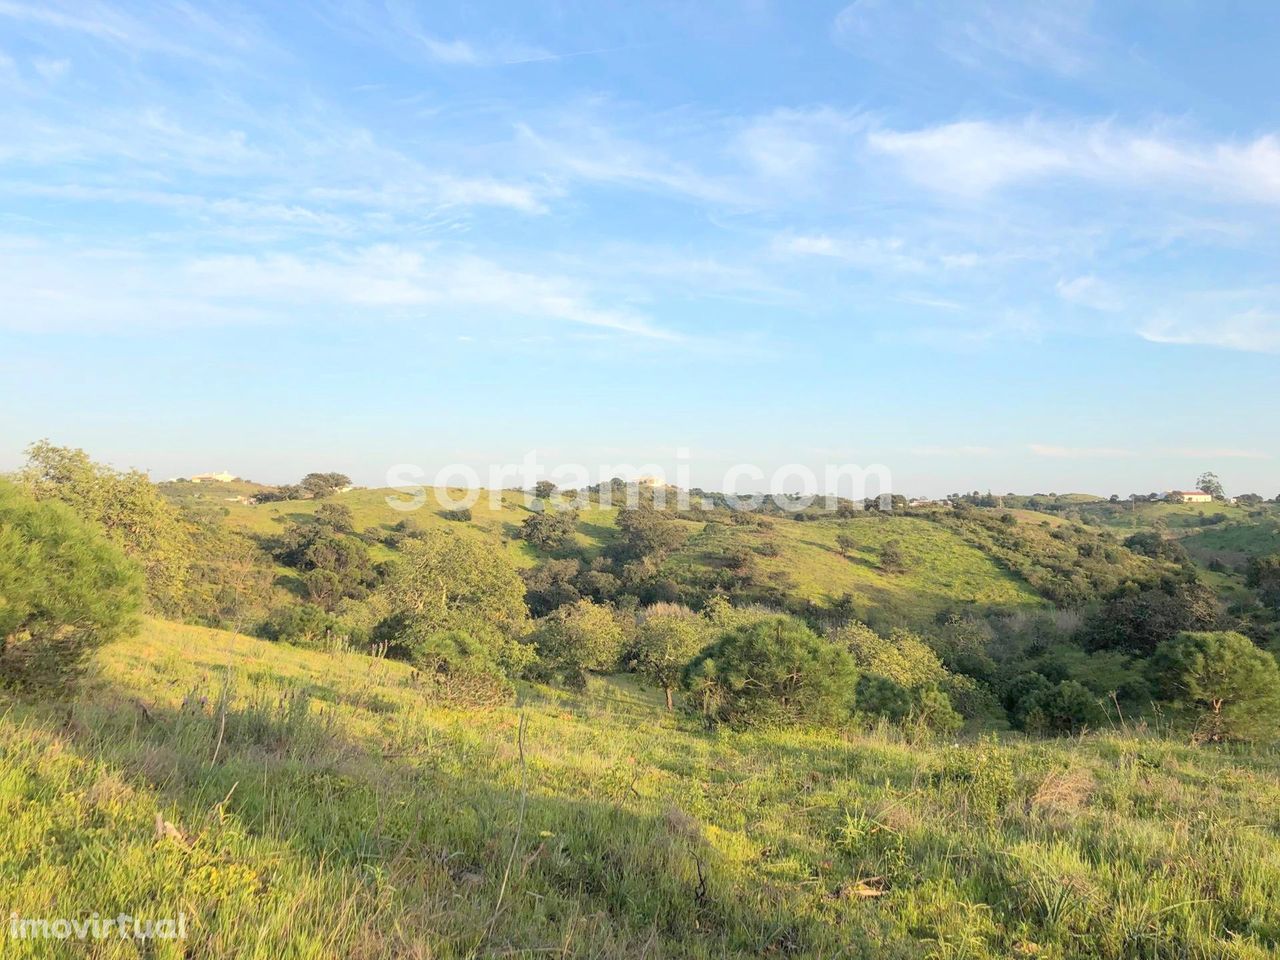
(976, 157)
(114, 291)
(1079, 453)
(1053, 35)
(1218, 453)
(952, 451)
(1256, 330)
(1089, 291)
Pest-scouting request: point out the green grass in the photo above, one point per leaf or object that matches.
(1234, 542)
(330, 811)
(942, 571)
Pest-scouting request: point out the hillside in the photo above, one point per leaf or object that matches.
(942, 570)
(315, 805)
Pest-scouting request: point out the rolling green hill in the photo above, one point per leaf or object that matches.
(942, 569)
(295, 804)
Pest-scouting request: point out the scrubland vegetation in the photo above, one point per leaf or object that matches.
(985, 729)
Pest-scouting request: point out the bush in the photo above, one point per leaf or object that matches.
(64, 591)
(1063, 708)
(775, 670)
(1231, 686)
(304, 625)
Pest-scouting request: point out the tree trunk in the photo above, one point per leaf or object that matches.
(670, 706)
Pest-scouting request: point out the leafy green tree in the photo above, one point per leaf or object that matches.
(846, 543)
(881, 697)
(320, 485)
(544, 489)
(448, 582)
(337, 517)
(1139, 620)
(127, 507)
(579, 637)
(1210, 484)
(775, 670)
(901, 657)
(550, 585)
(1231, 685)
(1149, 543)
(645, 533)
(1263, 575)
(550, 529)
(669, 636)
(64, 591)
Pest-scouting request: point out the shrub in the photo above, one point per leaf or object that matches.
(304, 625)
(1063, 708)
(1232, 686)
(775, 670)
(64, 591)
(464, 670)
(892, 559)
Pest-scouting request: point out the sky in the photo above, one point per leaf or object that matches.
(1008, 246)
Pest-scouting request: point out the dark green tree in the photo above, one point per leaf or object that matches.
(1231, 686)
(773, 670)
(65, 590)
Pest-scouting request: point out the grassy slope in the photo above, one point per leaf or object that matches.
(942, 569)
(345, 817)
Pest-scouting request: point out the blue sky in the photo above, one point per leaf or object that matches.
(1010, 246)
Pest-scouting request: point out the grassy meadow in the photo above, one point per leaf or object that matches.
(297, 804)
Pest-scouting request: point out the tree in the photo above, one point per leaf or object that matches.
(846, 543)
(669, 637)
(901, 657)
(126, 506)
(645, 533)
(444, 581)
(1063, 708)
(891, 557)
(578, 637)
(337, 517)
(319, 485)
(550, 585)
(1210, 484)
(1232, 686)
(64, 591)
(775, 670)
(1139, 620)
(550, 529)
(544, 489)
(1263, 575)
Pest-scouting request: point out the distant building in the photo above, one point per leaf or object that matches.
(1188, 496)
(223, 477)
